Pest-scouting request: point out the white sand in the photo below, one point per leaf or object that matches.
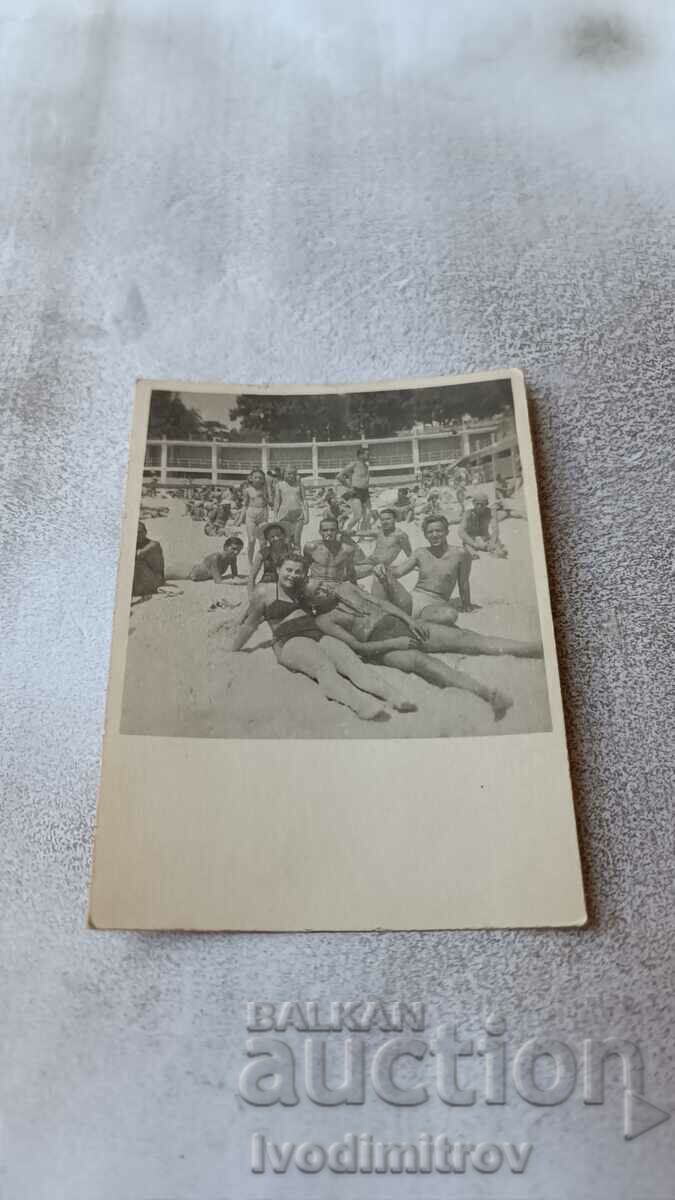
(181, 680)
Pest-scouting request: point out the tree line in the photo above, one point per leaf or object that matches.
(328, 418)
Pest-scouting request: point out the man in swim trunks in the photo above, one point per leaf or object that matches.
(441, 568)
(479, 528)
(369, 617)
(216, 566)
(389, 544)
(356, 477)
(149, 564)
(334, 556)
(383, 634)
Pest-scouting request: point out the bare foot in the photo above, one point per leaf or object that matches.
(501, 703)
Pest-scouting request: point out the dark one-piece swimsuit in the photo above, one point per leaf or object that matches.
(302, 625)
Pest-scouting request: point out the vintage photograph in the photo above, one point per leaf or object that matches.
(336, 565)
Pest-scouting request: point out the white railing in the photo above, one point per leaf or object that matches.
(408, 453)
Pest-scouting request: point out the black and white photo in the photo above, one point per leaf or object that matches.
(334, 566)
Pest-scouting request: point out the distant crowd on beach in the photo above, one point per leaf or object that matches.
(334, 603)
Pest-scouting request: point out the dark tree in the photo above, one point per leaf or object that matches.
(366, 414)
(171, 417)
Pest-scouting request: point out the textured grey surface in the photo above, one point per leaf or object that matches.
(306, 192)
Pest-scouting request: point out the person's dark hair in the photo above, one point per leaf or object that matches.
(328, 520)
(294, 556)
(361, 451)
(438, 517)
(234, 541)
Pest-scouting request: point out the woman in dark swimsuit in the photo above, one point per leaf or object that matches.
(301, 646)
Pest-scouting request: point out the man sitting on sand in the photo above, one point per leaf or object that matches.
(404, 505)
(441, 568)
(325, 650)
(479, 528)
(216, 566)
(149, 564)
(389, 544)
(334, 556)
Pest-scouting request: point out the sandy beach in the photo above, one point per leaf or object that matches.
(181, 680)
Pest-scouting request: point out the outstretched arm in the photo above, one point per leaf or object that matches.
(253, 617)
(405, 567)
(255, 571)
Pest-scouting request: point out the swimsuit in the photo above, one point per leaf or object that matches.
(422, 600)
(304, 625)
(271, 562)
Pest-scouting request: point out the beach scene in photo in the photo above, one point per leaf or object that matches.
(338, 566)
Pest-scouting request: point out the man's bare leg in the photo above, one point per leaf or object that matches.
(439, 614)
(392, 589)
(417, 663)
(364, 675)
(305, 657)
(445, 640)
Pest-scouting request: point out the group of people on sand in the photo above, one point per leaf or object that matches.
(328, 627)
(324, 623)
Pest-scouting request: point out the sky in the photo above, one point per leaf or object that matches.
(213, 407)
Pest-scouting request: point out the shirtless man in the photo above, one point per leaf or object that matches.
(215, 566)
(149, 564)
(389, 544)
(334, 557)
(370, 617)
(332, 505)
(441, 568)
(378, 630)
(356, 476)
(404, 506)
(479, 528)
